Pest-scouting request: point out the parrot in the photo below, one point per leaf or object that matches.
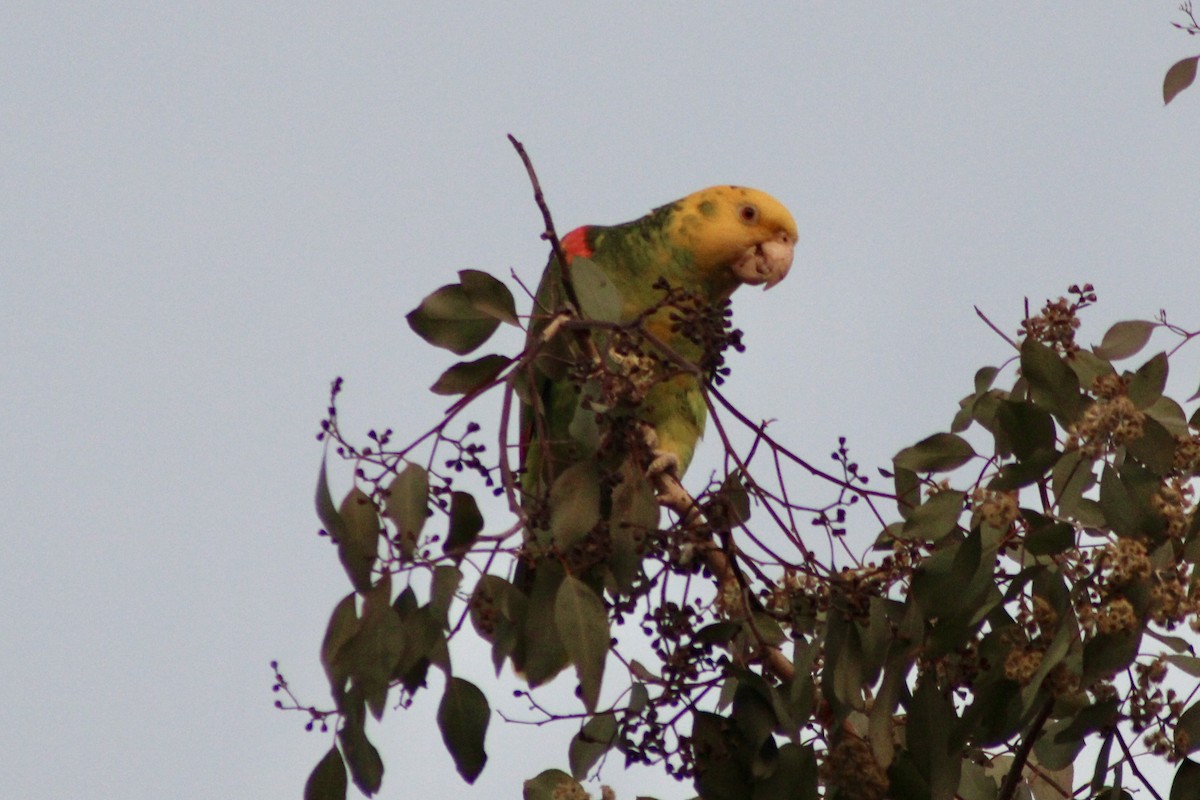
(678, 261)
(710, 243)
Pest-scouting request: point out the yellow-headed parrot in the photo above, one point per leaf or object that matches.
(657, 275)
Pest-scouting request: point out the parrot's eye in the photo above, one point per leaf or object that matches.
(748, 213)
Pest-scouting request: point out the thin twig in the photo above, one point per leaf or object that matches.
(1017, 770)
(999, 332)
(1133, 765)
(549, 234)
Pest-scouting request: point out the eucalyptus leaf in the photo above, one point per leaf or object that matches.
(489, 295)
(575, 503)
(407, 506)
(463, 717)
(1186, 784)
(595, 738)
(448, 319)
(328, 779)
(1179, 77)
(468, 376)
(1147, 384)
(940, 452)
(1052, 384)
(1125, 339)
(366, 767)
(358, 545)
(582, 621)
(465, 524)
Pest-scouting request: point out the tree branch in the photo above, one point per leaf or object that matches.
(549, 234)
(1013, 779)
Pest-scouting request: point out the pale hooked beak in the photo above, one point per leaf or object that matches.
(766, 264)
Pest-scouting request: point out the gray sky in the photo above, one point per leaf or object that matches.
(211, 212)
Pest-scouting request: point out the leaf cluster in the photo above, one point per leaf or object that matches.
(1033, 567)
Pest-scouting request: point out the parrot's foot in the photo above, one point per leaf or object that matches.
(663, 471)
(664, 462)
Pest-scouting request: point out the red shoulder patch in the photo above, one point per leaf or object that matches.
(575, 244)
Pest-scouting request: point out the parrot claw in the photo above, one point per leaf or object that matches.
(664, 461)
(663, 471)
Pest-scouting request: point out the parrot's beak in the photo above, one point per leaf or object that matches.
(766, 264)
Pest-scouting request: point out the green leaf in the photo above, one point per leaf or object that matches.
(1028, 429)
(1189, 664)
(1170, 414)
(497, 611)
(975, 783)
(1186, 784)
(552, 784)
(489, 295)
(1050, 539)
(599, 297)
(575, 503)
(755, 721)
(327, 781)
(1120, 513)
(1052, 384)
(584, 428)
(1089, 719)
(1072, 476)
(930, 719)
(767, 629)
(358, 545)
(635, 514)
(984, 378)
(467, 376)
(326, 511)
(582, 622)
(463, 717)
(1178, 77)
(370, 656)
(1148, 382)
(407, 507)
(934, 518)
(366, 767)
(343, 624)
(596, 738)
(794, 777)
(1187, 730)
(1108, 653)
(1176, 643)
(1126, 500)
(735, 508)
(1051, 765)
(719, 775)
(938, 453)
(1125, 339)
(465, 524)
(1089, 366)
(539, 652)
(448, 319)
(1155, 448)
(423, 643)
(1103, 759)
(441, 591)
(908, 491)
(1022, 473)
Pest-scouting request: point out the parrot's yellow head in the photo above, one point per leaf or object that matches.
(737, 236)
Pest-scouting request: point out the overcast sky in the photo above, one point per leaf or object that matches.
(209, 212)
